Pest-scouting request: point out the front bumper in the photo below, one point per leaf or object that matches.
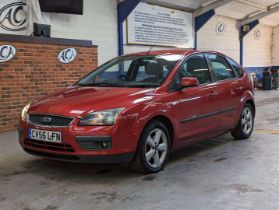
(104, 159)
(83, 143)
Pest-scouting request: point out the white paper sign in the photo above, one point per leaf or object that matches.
(155, 25)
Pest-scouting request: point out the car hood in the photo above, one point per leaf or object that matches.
(78, 101)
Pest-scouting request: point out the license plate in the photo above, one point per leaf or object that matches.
(49, 136)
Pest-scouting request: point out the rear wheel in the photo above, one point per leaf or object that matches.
(153, 149)
(245, 125)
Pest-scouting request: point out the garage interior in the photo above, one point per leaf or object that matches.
(216, 174)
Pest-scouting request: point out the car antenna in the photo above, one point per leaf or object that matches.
(147, 53)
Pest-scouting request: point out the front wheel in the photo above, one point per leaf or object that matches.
(245, 125)
(153, 149)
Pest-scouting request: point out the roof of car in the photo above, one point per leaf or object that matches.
(174, 51)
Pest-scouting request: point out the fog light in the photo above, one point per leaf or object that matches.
(94, 142)
(104, 145)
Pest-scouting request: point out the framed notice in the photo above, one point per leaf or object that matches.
(160, 26)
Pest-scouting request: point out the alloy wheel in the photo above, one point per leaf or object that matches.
(247, 120)
(156, 148)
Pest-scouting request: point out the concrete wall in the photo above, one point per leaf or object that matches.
(228, 43)
(98, 23)
(275, 49)
(258, 53)
(103, 31)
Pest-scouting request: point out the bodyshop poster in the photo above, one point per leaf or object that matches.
(155, 25)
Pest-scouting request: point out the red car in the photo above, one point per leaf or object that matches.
(139, 107)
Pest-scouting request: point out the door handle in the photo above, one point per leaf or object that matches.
(239, 89)
(213, 93)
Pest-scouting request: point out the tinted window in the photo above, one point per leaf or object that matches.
(220, 67)
(142, 75)
(236, 67)
(195, 66)
(131, 71)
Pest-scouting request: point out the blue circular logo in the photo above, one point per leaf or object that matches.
(220, 28)
(13, 17)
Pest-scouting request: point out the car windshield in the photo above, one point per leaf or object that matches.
(132, 71)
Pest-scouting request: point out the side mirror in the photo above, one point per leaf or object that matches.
(189, 82)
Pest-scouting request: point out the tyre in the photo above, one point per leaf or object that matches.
(245, 126)
(153, 149)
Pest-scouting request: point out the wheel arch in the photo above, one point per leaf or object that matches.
(167, 122)
(252, 103)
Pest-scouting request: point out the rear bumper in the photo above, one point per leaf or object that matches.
(99, 159)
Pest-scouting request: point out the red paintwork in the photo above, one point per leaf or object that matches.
(189, 82)
(141, 105)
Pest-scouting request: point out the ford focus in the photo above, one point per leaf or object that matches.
(138, 108)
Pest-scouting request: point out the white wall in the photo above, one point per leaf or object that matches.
(228, 43)
(258, 53)
(275, 49)
(98, 23)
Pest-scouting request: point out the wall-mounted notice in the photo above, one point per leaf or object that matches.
(155, 25)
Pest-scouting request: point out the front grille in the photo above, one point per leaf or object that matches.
(49, 120)
(49, 145)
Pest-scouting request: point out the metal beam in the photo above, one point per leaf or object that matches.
(270, 11)
(244, 30)
(124, 8)
(168, 5)
(200, 21)
(254, 5)
(211, 6)
(203, 19)
(204, 4)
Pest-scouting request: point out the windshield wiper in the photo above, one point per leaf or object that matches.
(107, 84)
(143, 85)
(102, 84)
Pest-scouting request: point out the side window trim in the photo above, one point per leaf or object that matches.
(230, 61)
(211, 67)
(213, 77)
(236, 76)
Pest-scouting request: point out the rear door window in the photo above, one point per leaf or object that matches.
(195, 66)
(220, 67)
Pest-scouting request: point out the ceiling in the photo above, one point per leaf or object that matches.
(236, 9)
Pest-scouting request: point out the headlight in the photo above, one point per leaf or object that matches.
(24, 111)
(105, 117)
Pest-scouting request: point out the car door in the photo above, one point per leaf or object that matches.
(195, 108)
(230, 89)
